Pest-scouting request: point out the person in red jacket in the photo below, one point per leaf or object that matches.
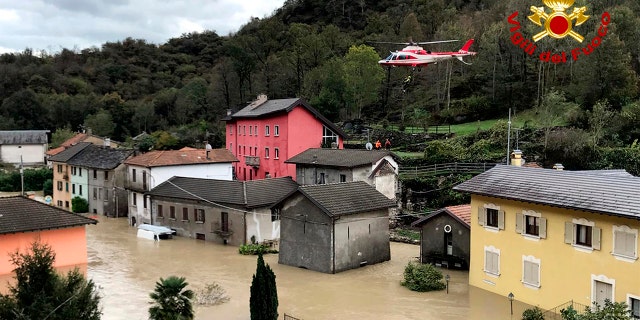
(387, 144)
(378, 145)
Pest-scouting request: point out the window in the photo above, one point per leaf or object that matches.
(328, 137)
(492, 260)
(59, 185)
(266, 130)
(144, 202)
(582, 233)
(199, 215)
(224, 221)
(250, 130)
(59, 203)
(95, 193)
(276, 153)
(172, 212)
(531, 271)
(343, 178)
(231, 129)
(73, 188)
(66, 186)
(95, 174)
(266, 153)
(106, 175)
(239, 149)
(276, 130)
(80, 187)
(491, 217)
(133, 175)
(66, 204)
(160, 213)
(634, 306)
(100, 193)
(321, 180)
(80, 171)
(625, 241)
(106, 194)
(531, 223)
(73, 171)
(59, 168)
(144, 180)
(231, 146)
(275, 214)
(185, 214)
(134, 199)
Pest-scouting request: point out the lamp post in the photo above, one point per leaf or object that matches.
(511, 296)
(447, 278)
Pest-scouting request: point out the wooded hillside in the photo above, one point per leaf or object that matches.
(324, 51)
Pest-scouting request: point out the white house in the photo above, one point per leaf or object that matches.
(31, 145)
(148, 170)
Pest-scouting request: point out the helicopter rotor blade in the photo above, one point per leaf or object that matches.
(432, 42)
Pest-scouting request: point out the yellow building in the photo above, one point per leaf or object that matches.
(552, 236)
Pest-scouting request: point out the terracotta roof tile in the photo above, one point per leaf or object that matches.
(181, 157)
(462, 211)
(68, 143)
(19, 214)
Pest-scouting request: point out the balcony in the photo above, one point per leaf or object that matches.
(252, 161)
(65, 177)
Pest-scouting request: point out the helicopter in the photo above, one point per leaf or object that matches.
(415, 56)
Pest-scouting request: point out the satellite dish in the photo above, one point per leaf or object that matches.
(208, 146)
(369, 146)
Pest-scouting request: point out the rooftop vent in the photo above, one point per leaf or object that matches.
(260, 100)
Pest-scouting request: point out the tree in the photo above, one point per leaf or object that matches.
(79, 205)
(551, 113)
(263, 302)
(41, 293)
(171, 301)
(61, 135)
(422, 277)
(101, 123)
(363, 77)
(599, 118)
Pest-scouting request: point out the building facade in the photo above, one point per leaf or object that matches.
(378, 168)
(24, 146)
(550, 236)
(334, 227)
(221, 211)
(146, 171)
(62, 172)
(267, 132)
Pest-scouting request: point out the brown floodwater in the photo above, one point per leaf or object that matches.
(126, 268)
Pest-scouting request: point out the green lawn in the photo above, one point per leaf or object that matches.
(408, 155)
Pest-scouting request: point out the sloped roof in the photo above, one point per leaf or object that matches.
(100, 157)
(79, 137)
(69, 153)
(250, 194)
(578, 190)
(19, 214)
(461, 213)
(24, 137)
(347, 158)
(338, 199)
(270, 107)
(181, 157)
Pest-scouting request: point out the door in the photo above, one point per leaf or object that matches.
(603, 291)
(448, 243)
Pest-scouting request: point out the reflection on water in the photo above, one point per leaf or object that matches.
(126, 269)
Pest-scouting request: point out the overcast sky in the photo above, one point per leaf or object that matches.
(55, 24)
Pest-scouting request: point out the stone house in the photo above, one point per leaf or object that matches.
(334, 227)
(28, 146)
(222, 211)
(378, 168)
(445, 237)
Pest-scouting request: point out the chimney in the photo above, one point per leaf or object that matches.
(229, 112)
(558, 166)
(207, 148)
(516, 158)
(89, 131)
(107, 142)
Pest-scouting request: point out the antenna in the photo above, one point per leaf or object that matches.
(508, 136)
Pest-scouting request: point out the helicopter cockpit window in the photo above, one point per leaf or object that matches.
(390, 57)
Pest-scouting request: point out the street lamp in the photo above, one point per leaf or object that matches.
(511, 296)
(447, 278)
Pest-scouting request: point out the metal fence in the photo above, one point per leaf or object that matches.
(289, 317)
(443, 168)
(555, 313)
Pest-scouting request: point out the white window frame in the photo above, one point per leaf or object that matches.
(266, 152)
(328, 134)
(521, 225)
(276, 153)
(629, 297)
(255, 130)
(595, 245)
(628, 231)
(267, 131)
(495, 250)
(276, 130)
(482, 217)
(531, 259)
(605, 279)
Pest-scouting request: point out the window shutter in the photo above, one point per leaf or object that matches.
(619, 243)
(501, 219)
(543, 228)
(482, 216)
(568, 232)
(496, 263)
(631, 241)
(519, 222)
(595, 238)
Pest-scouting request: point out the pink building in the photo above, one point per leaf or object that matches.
(267, 132)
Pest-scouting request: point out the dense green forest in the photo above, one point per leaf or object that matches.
(326, 52)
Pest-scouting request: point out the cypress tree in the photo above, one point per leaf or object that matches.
(263, 302)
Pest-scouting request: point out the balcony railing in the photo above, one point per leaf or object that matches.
(252, 161)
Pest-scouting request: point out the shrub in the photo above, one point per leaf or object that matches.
(532, 314)
(422, 277)
(47, 187)
(254, 249)
(79, 205)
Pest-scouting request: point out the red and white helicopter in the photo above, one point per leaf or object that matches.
(415, 56)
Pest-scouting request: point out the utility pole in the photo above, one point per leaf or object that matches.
(21, 177)
(508, 136)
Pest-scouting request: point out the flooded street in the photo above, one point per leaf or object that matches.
(126, 269)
